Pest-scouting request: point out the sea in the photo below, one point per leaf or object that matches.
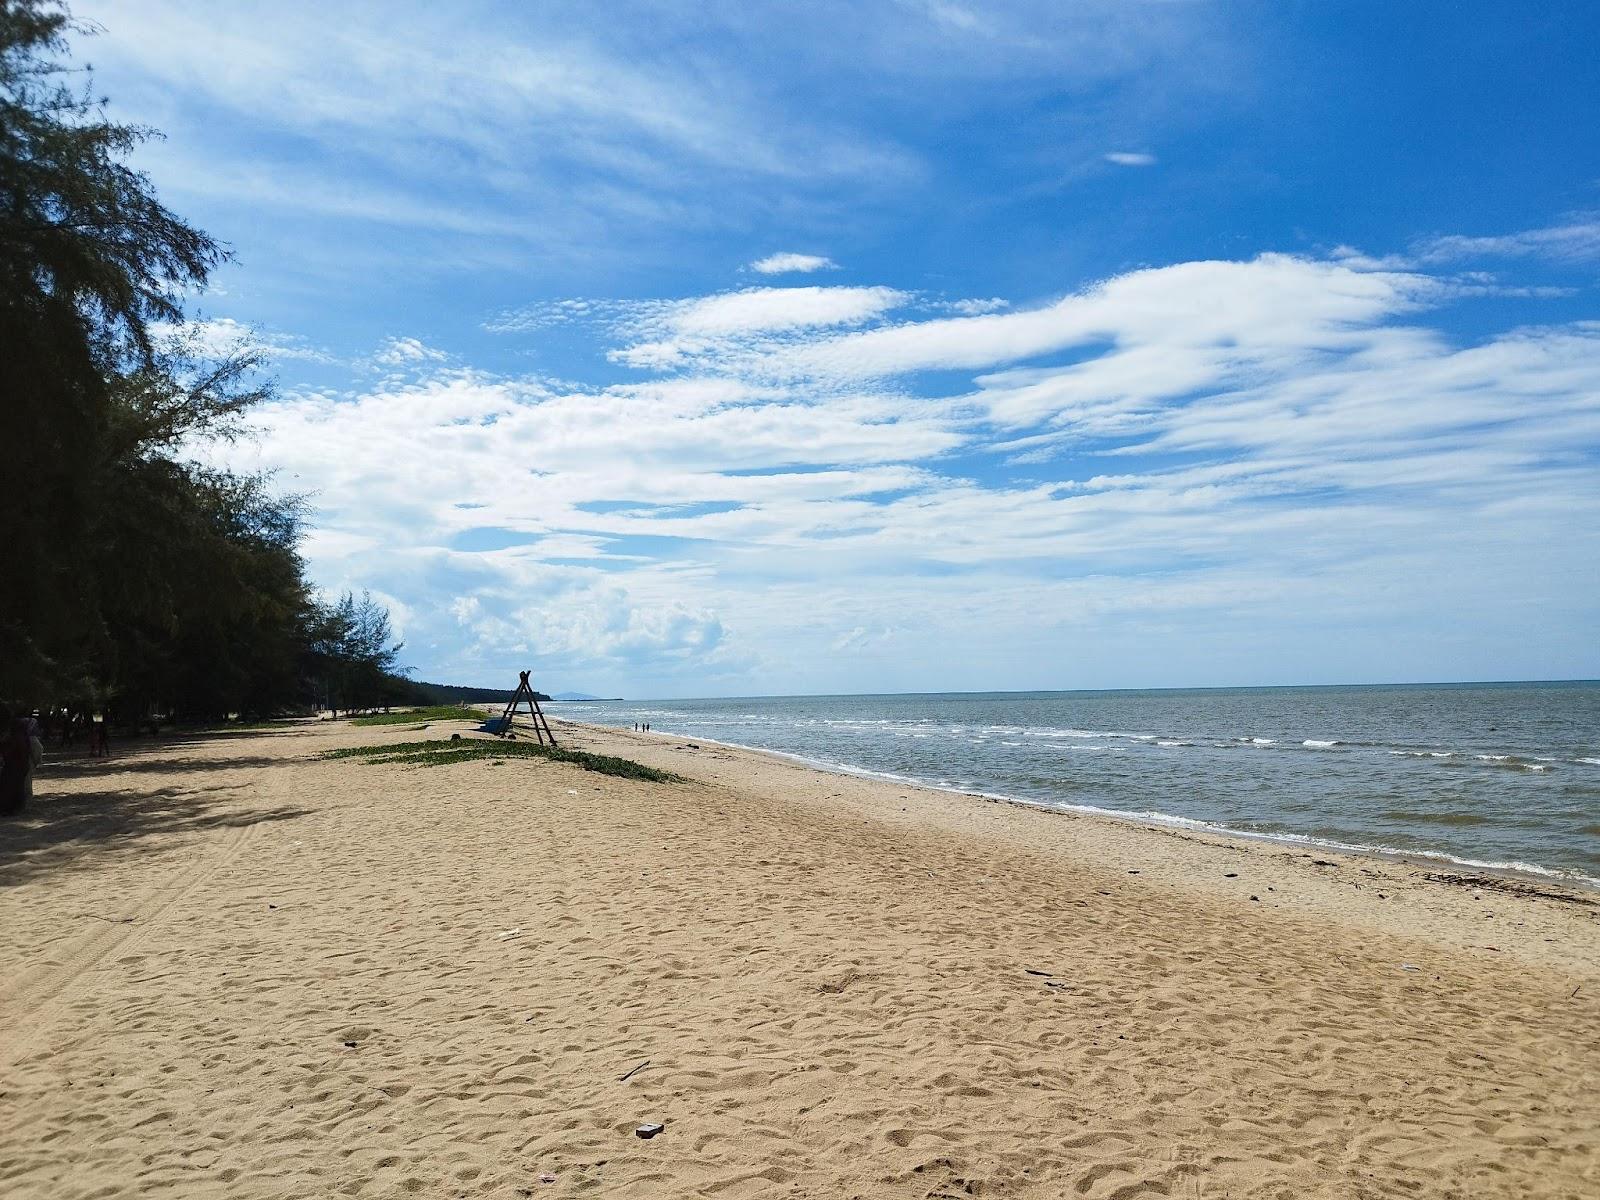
(1503, 776)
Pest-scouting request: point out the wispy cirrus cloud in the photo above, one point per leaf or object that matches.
(713, 327)
(1572, 242)
(1128, 158)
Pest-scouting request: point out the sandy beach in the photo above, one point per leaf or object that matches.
(234, 968)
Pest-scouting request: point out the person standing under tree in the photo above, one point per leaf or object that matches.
(35, 735)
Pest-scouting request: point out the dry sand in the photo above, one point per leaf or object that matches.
(232, 969)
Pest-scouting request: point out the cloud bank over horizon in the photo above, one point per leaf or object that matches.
(1271, 456)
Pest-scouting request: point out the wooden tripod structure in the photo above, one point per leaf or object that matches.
(525, 692)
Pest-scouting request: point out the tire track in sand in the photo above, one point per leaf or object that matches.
(38, 994)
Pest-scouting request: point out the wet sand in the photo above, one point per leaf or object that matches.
(234, 969)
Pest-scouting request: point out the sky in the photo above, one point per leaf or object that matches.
(749, 349)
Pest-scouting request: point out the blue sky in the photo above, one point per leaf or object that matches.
(748, 349)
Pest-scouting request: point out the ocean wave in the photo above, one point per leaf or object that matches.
(1318, 743)
(1078, 741)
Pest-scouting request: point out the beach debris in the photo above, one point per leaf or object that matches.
(1485, 883)
(1256, 898)
(1322, 862)
(1055, 983)
(649, 1130)
(1409, 967)
(630, 1074)
(1031, 971)
(548, 1177)
(1133, 872)
(509, 933)
(1231, 875)
(350, 1045)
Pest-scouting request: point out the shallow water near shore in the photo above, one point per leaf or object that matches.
(1495, 775)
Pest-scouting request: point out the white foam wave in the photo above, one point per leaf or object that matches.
(1593, 762)
(1318, 743)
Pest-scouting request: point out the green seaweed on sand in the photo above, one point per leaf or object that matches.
(437, 712)
(442, 752)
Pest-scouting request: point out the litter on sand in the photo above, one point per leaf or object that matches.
(509, 933)
(649, 1131)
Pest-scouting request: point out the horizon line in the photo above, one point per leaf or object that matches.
(1240, 687)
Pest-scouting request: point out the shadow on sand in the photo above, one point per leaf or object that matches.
(150, 760)
(94, 829)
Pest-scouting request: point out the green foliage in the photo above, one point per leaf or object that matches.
(444, 693)
(350, 656)
(98, 394)
(444, 752)
(412, 715)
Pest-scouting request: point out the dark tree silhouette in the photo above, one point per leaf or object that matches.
(133, 575)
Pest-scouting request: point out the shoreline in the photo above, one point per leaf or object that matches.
(1442, 862)
(1557, 924)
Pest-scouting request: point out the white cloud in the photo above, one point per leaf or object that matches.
(1125, 158)
(780, 264)
(407, 352)
(975, 307)
(1275, 304)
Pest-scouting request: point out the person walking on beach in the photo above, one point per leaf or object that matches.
(100, 735)
(35, 735)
